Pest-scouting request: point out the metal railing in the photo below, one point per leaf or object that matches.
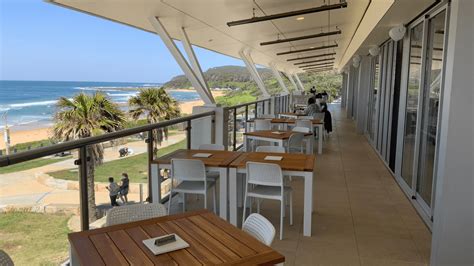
(82, 146)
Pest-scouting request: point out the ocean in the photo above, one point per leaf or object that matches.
(29, 104)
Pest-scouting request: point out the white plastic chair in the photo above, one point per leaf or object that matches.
(260, 228)
(276, 149)
(305, 123)
(300, 129)
(295, 143)
(212, 147)
(263, 124)
(305, 117)
(135, 212)
(265, 181)
(213, 176)
(190, 177)
(267, 116)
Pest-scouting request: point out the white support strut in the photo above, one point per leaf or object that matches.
(254, 73)
(299, 82)
(277, 75)
(178, 56)
(292, 80)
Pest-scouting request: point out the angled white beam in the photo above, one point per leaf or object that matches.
(195, 63)
(299, 81)
(178, 56)
(253, 72)
(277, 75)
(292, 80)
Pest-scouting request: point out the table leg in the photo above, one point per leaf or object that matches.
(223, 193)
(308, 203)
(320, 139)
(155, 183)
(309, 144)
(233, 196)
(245, 143)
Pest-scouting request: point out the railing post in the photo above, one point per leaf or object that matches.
(150, 151)
(188, 135)
(256, 110)
(83, 193)
(246, 117)
(235, 130)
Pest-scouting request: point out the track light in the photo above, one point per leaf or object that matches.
(312, 56)
(322, 34)
(314, 61)
(309, 49)
(343, 4)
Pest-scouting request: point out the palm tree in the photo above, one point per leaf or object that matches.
(85, 116)
(156, 105)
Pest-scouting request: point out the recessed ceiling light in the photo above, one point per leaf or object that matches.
(299, 18)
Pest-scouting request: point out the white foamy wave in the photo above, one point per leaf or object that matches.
(40, 103)
(122, 94)
(96, 88)
(4, 109)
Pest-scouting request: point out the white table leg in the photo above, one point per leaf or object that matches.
(309, 144)
(223, 193)
(233, 196)
(155, 183)
(308, 203)
(320, 139)
(245, 142)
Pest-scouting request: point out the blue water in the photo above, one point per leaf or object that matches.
(33, 102)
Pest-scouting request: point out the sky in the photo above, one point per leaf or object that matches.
(41, 41)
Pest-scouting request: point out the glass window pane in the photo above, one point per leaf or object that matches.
(414, 76)
(429, 124)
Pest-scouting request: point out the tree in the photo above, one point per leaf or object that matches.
(85, 116)
(156, 105)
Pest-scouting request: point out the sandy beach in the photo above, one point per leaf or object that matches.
(18, 136)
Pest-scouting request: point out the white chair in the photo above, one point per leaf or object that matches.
(300, 129)
(213, 176)
(304, 123)
(267, 116)
(263, 124)
(260, 228)
(276, 149)
(212, 147)
(305, 117)
(135, 212)
(265, 181)
(190, 177)
(295, 143)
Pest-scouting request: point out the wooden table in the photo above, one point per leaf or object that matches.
(217, 162)
(211, 241)
(317, 124)
(276, 136)
(292, 164)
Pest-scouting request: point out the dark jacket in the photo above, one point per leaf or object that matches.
(327, 121)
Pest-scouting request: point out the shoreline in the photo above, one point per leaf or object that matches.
(40, 131)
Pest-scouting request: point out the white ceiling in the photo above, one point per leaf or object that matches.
(205, 22)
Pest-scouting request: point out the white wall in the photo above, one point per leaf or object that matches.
(363, 88)
(453, 225)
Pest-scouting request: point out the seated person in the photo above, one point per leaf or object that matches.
(312, 108)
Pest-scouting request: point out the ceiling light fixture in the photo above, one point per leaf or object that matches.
(314, 61)
(305, 37)
(312, 48)
(300, 18)
(288, 14)
(312, 56)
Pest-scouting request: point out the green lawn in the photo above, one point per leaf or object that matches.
(31, 164)
(34, 238)
(136, 166)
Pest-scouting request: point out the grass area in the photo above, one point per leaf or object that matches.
(31, 164)
(136, 166)
(29, 145)
(235, 98)
(34, 238)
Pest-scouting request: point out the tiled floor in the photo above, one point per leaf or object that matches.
(361, 215)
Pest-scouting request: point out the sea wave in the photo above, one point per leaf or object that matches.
(122, 94)
(39, 103)
(96, 88)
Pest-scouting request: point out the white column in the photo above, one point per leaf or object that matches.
(299, 82)
(277, 75)
(350, 91)
(363, 94)
(195, 63)
(344, 90)
(254, 73)
(453, 224)
(292, 80)
(178, 56)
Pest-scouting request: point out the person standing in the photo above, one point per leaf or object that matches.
(124, 188)
(113, 189)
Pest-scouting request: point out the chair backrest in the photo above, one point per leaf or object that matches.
(188, 170)
(304, 123)
(277, 149)
(267, 116)
(296, 141)
(266, 174)
(305, 117)
(263, 124)
(135, 212)
(5, 260)
(213, 147)
(259, 227)
(301, 129)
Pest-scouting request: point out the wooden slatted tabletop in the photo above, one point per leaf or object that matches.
(211, 241)
(290, 161)
(217, 159)
(272, 134)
